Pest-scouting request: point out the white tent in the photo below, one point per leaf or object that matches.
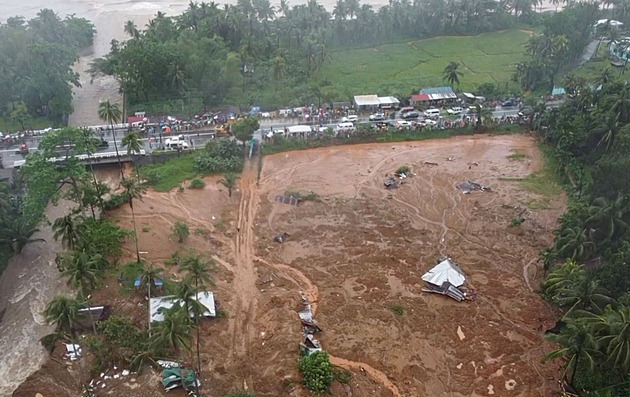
(299, 129)
(445, 271)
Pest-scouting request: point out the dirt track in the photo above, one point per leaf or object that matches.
(356, 253)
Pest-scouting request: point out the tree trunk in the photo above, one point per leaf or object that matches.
(149, 300)
(122, 175)
(135, 230)
(575, 367)
(198, 336)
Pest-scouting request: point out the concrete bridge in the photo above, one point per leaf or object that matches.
(96, 158)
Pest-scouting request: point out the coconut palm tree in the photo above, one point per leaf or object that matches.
(110, 113)
(608, 217)
(17, 232)
(578, 345)
(64, 313)
(229, 181)
(131, 29)
(613, 326)
(575, 243)
(133, 190)
(451, 74)
(83, 270)
(568, 274)
(585, 295)
(197, 270)
(147, 276)
(132, 142)
(174, 331)
(68, 228)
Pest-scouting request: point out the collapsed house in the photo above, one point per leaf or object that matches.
(446, 278)
(309, 344)
(469, 186)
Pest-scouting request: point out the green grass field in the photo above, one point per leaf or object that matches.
(402, 67)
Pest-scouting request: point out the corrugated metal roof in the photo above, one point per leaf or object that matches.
(420, 97)
(366, 100)
(557, 91)
(438, 93)
(166, 302)
(388, 100)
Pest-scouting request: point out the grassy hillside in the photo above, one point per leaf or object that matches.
(401, 67)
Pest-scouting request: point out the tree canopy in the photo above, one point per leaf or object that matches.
(36, 57)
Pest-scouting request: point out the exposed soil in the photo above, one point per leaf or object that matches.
(355, 253)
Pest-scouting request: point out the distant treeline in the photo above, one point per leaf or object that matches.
(35, 65)
(211, 55)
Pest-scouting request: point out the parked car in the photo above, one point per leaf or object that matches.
(352, 118)
(407, 109)
(509, 103)
(411, 115)
(377, 117)
(432, 113)
(429, 122)
(455, 110)
(402, 124)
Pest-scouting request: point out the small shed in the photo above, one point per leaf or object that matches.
(366, 101)
(388, 102)
(434, 94)
(558, 91)
(159, 304)
(89, 316)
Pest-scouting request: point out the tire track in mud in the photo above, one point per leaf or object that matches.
(241, 327)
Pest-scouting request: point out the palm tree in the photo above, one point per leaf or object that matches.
(451, 74)
(110, 113)
(586, 295)
(575, 243)
(17, 232)
(578, 343)
(608, 129)
(131, 29)
(148, 275)
(188, 295)
(132, 142)
(563, 277)
(198, 270)
(133, 190)
(174, 330)
(84, 271)
(613, 327)
(229, 181)
(64, 312)
(608, 217)
(68, 229)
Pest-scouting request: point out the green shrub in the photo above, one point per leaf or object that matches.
(180, 231)
(317, 372)
(196, 184)
(342, 375)
(115, 201)
(201, 231)
(145, 229)
(397, 309)
(310, 196)
(219, 225)
(517, 221)
(403, 169)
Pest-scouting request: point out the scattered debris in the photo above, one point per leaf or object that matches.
(281, 237)
(460, 333)
(288, 200)
(510, 384)
(391, 183)
(172, 378)
(73, 351)
(490, 390)
(309, 344)
(100, 382)
(430, 163)
(447, 278)
(470, 186)
(167, 364)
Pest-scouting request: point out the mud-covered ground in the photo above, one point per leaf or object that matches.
(356, 252)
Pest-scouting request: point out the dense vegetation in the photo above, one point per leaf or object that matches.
(211, 55)
(36, 57)
(557, 47)
(588, 139)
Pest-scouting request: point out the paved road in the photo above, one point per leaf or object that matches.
(200, 138)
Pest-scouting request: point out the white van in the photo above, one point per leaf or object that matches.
(176, 143)
(432, 113)
(345, 127)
